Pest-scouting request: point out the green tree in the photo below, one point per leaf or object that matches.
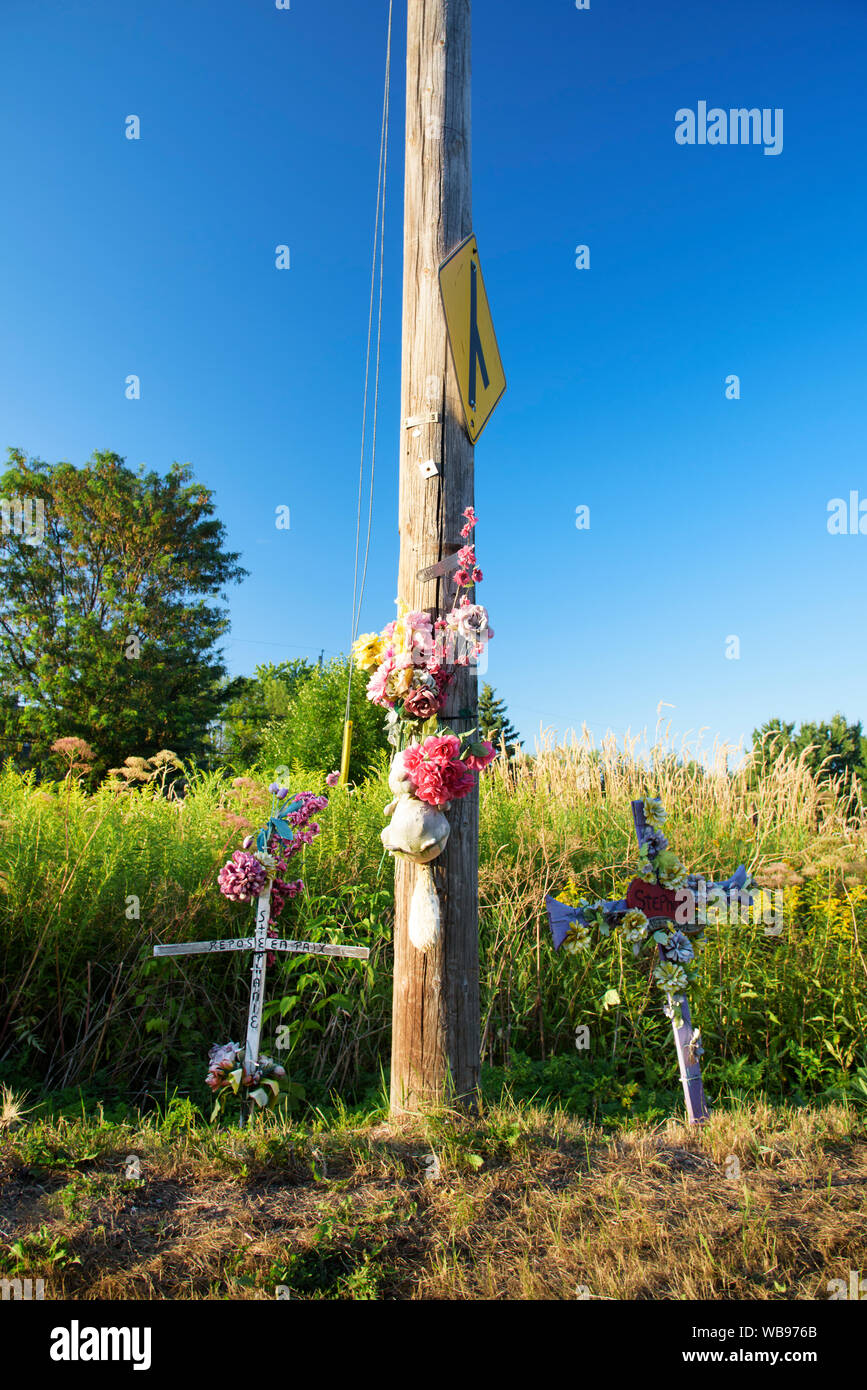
(494, 722)
(108, 620)
(310, 735)
(262, 697)
(832, 748)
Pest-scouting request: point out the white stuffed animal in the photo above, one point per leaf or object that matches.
(417, 832)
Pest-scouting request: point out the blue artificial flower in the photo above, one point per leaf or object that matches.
(678, 948)
(654, 843)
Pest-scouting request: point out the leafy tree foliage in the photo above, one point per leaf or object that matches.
(310, 733)
(261, 698)
(108, 623)
(494, 722)
(832, 748)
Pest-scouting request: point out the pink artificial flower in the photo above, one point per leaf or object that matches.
(472, 519)
(469, 621)
(419, 621)
(441, 748)
(438, 783)
(462, 578)
(242, 878)
(478, 763)
(477, 576)
(421, 703)
(377, 683)
(458, 780)
(412, 760)
(443, 680)
(431, 785)
(332, 779)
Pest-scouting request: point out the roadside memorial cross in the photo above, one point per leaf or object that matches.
(660, 905)
(261, 944)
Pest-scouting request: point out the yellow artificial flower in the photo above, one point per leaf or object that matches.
(399, 682)
(654, 812)
(634, 925)
(570, 895)
(399, 639)
(367, 651)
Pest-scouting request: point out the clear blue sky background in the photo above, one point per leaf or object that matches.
(260, 127)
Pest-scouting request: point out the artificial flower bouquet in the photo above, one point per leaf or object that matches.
(410, 667)
(410, 664)
(290, 828)
(228, 1078)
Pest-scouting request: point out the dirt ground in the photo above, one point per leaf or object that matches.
(762, 1203)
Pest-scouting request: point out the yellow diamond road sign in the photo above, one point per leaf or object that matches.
(479, 368)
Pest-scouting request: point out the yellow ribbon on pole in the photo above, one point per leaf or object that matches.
(344, 757)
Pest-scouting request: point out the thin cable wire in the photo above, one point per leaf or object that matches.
(378, 246)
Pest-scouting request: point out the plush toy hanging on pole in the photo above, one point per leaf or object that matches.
(410, 666)
(663, 899)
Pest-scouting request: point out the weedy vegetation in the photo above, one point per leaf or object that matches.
(90, 881)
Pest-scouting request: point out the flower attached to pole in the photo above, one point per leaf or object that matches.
(410, 667)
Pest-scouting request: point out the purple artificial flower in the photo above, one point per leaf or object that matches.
(242, 878)
(654, 842)
(310, 804)
(281, 893)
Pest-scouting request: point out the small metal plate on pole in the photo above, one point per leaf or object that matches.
(444, 566)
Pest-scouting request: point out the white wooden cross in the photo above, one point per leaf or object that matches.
(260, 945)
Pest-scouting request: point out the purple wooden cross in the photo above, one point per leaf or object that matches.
(660, 906)
(686, 1038)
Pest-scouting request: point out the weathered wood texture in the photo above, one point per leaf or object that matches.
(435, 1037)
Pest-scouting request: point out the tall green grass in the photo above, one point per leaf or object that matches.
(90, 882)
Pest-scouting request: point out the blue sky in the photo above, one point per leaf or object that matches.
(260, 127)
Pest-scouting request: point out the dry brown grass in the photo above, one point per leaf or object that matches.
(527, 1204)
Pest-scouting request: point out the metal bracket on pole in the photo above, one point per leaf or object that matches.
(431, 417)
(442, 567)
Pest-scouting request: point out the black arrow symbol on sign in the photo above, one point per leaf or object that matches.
(476, 352)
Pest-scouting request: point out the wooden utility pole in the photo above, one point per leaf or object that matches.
(435, 1034)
